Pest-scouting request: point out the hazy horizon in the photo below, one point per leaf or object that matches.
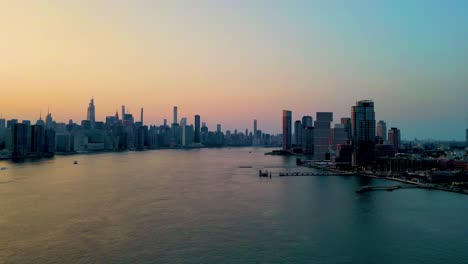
(232, 62)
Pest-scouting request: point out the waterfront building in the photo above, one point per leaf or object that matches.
(2, 123)
(322, 134)
(394, 137)
(218, 128)
(49, 123)
(298, 133)
(197, 129)
(363, 129)
(91, 117)
(187, 135)
(19, 132)
(382, 130)
(287, 129)
(37, 139)
(65, 142)
(308, 140)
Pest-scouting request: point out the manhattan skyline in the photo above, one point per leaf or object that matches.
(235, 62)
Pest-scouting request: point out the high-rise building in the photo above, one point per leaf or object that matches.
(141, 116)
(346, 122)
(466, 139)
(197, 129)
(123, 111)
(218, 128)
(307, 121)
(363, 128)
(175, 115)
(338, 136)
(19, 140)
(183, 121)
(2, 123)
(322, 135)
(287, 129)
(382, 130)
(91, 113)
(187, 135)
(394, 137)
(298, 133)
(255, 127)
(308, 140)
(49, 123)
(11, 123)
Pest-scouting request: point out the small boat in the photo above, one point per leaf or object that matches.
(75, 162)
(3, 168)
(245, 167)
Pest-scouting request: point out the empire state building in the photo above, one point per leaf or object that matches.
(91, 113)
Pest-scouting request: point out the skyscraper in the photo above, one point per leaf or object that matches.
(287, 129)
(218, 128)
(346, 122)
(255, 128)
(363, 128)
(394, 137)
(197, 129)
(123, 112)
(298, 133)
(307, 121)
(322, 134)
(175, 115)
(382, 130)
(141, 116)
(91, 113)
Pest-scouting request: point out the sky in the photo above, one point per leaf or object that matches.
(239, 60)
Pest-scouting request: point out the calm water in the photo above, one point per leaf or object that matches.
(198, 206)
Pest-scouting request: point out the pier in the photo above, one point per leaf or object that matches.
(363, 189)
(284, 174)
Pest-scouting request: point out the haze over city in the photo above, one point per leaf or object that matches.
(234, 61)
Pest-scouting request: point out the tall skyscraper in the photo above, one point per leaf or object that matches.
(91, 113)
(123, 112)
(175, 115)
(49, 121)
(287, 129)
(298, 133)
(218, 128)
(322, 135)
(141, 116)
(382, 130)
(394, 137)
(255, 128)
(346, 122)
(197, 129)
(2, 123)
(363, 128)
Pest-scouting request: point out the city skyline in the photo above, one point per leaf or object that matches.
(227, 61)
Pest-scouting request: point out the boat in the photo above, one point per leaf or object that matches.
(75, 162)
(245, 167)
(3, 168)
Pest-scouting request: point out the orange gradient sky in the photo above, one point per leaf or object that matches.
(231, 62)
